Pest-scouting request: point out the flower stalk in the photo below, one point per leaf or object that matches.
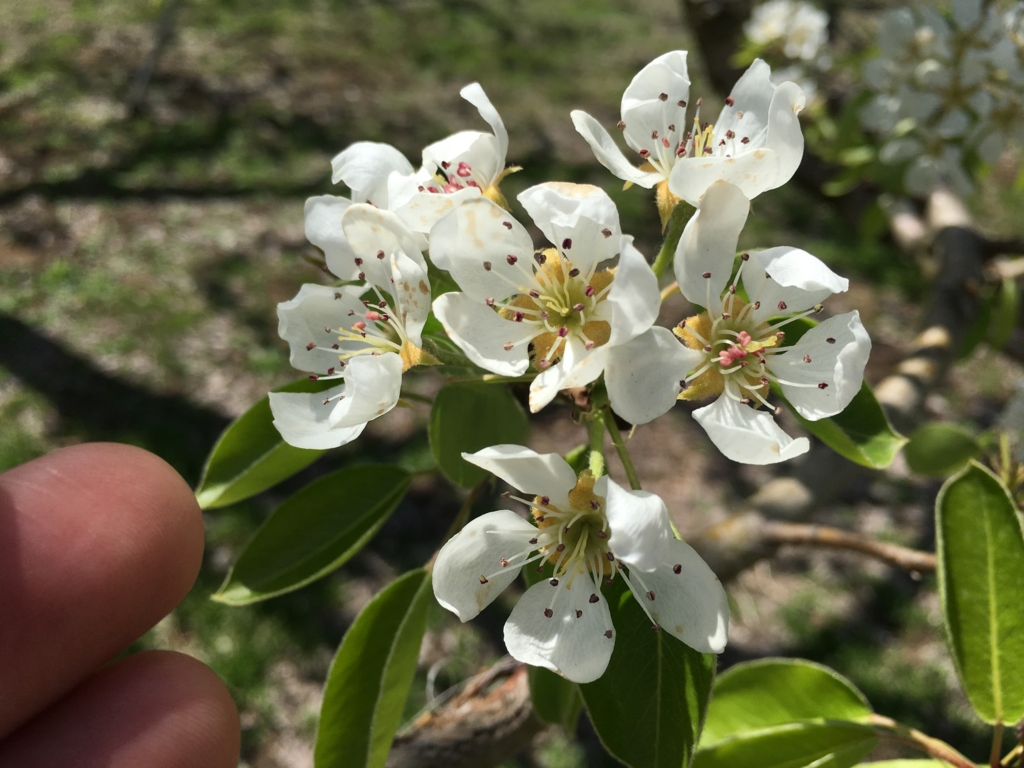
(676, 224)
(620, 448)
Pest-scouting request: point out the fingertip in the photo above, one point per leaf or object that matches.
(159, 709)
(97, 543)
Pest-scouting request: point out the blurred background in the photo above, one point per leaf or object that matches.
(154, 161)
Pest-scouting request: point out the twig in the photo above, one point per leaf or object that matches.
(930, 746)
(834, 538)
(997, 745)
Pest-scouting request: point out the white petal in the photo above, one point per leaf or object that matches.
(574, 217)
(475, 240)
(364, 167)
(474, 94)
(535, 474)
(649, 118)
(375, 235)
(480, 151)
(634, 298)
(608, 153)
(643, 375)
(304, 320)
(639, 525)
(323, 229)
(752, 98)
(746, 435)
(482, 334)
(556, 378)
(785, 137)
(424, 209)
(477, 550)
(753, 172)
(690, 605)
(708, 245)
(304, 421)
(373, 385)
(411, 292)
(839, 364)
(798, 281)
(574, 646)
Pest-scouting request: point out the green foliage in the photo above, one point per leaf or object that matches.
(251, 457)
(981, 584)
(770, 692)
(939, 449)
(555, 699)
(467, 417)
(828, 744)
(314, 532)
(371, 674)
(862, 432)
(649, 705)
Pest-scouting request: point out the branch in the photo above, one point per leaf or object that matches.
(489, 721)
(912, 560)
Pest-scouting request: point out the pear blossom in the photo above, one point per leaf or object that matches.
(945, 90)
(756, 142)
(801, 27)
(591, 530)
(741, 345)
(336, 334)
(555, 308)
(463, 165)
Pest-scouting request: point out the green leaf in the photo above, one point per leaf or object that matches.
(1005, 311)
(314, 532)
(981, 585)
(827, 744)
(370, 676)
(907, 764)
(251, 457)
(940, 449)
(862, 432)
(769, 692)
(555, 699)
(649, 705)
(469, 416)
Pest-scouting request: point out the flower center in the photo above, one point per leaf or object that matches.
(582, 530)
(562, 302)
(737, 350)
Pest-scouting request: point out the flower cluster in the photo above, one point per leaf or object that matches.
(799, 27)
(947, 90)
(579, 311)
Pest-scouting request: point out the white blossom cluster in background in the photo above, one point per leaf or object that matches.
(799, 31)
(801, 28)
(946, 90)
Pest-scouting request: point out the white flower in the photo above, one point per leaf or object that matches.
(337, 335)
(555, 307)
(591, 530)
(801, 27)
(466, 164)
(819, 374)
(756, 142)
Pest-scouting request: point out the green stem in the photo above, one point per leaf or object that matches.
(930, 746)
(620, 448)
(417, 398)
(676, 223)
(997, 746)
(596, 430)
(460, 518)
